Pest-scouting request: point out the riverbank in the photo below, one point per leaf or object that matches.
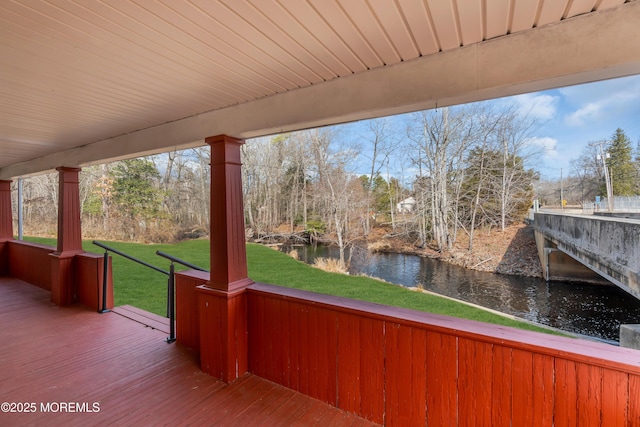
(512, 251)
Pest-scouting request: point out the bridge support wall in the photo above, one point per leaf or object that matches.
(630, 336)
(560, 267)
(609, 247)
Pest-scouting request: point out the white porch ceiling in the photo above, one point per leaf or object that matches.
(85, 81)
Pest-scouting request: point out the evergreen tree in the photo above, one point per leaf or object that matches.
(482, 185)
(380, 193)
(135, 188)
(621, 167)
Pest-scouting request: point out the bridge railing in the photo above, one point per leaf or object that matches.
(620, 204)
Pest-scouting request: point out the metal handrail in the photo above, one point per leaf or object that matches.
(171, 311)
(171, 288)
(179, 261)
(170, 285)
(122, 254)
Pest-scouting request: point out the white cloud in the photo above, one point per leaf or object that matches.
(601, 102)
(546, 144)
(537, 106)
(625, 88)
(588, 114)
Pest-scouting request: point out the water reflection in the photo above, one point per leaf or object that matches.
(593, 310)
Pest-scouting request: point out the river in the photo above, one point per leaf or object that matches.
(592, 310)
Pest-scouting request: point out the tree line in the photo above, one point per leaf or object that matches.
(161, 198)
(463, 167)
(457, 170)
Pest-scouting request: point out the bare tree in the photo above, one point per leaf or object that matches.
(513, 189)
(296, 166)
(441, 137)
(336, 183)
(487, 122)
(263, 175)
(40, 204)
(382, 141)
(587, 168)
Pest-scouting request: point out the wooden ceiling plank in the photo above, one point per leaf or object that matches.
(283, 19)
(368, 25)
(336, 17)
(84, 42)
(238, 29)
(551, 12)
(254, 18)
(90, 53)
(470, 18)
(58, 76)
(579, 7)
(497, 18)
(443, 16)
(396, 28)
(524, 15)
(164, 49)
(205, 50)
(420, 26)
(223, 36)
(319, 27)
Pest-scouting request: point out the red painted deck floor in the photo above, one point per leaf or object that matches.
(112, 370)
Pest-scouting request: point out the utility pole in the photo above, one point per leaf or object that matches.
(604, 155)
(561, 192)
(20, 218)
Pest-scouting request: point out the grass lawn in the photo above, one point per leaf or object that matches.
(142, 287)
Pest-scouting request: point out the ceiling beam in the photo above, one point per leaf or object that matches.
(595, 46)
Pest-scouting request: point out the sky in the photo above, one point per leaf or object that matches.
(569, 119)
(574, 116)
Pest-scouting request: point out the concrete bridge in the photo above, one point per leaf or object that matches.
(589, 248)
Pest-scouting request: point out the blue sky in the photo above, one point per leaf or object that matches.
(573, 116)
(569, 119)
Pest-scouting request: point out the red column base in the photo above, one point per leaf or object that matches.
(4, 257)
(223, 333)
(89, 276)
(62, 279)
(187, 322)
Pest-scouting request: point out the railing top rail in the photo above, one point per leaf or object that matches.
(179, 261)
(122, 254)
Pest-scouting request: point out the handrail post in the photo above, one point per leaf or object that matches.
(179, 261)
(105, 278)
(171, 305)
(171, 288)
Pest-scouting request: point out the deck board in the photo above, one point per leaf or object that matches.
(50, 354)
(143, 317)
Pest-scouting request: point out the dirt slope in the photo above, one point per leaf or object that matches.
(510, 252)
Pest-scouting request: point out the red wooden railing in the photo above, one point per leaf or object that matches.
(402, 367)
(30, 262)
(4, 257)
(89, 270)
(187, 324)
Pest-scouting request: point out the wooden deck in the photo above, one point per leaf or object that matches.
(51, 356)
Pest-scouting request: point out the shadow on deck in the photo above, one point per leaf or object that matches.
(52, 356)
